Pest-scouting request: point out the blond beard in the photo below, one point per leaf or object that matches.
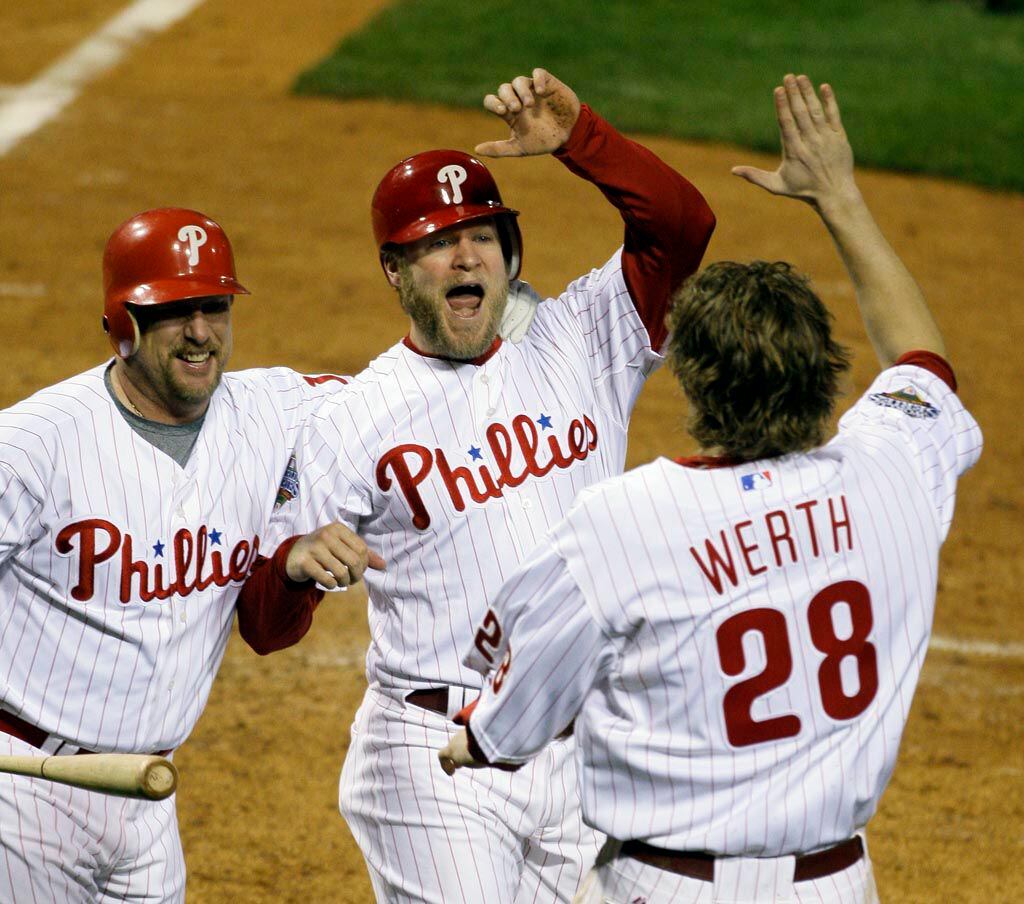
(430, 321)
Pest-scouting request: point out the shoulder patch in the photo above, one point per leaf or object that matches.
(289, 488)
(906, 400)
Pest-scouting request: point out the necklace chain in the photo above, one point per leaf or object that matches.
(124, 394)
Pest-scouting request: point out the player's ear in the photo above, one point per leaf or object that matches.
(391, 260)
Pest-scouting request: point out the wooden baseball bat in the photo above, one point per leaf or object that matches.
(124, 774)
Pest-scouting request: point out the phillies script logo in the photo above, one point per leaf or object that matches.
(410, 464)
(98, 541)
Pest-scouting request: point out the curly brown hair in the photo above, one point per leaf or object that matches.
(752, 347)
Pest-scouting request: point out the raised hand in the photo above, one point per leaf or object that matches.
(540, 111)
(333, 556)
(817, 161)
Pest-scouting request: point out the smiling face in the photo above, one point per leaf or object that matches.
(183, 348)
(453, 284)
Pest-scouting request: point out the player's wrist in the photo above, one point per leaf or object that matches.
(286, 565)
(473, 747)
(841, 203)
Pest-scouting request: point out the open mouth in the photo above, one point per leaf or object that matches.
(196, 360)
(465, 299)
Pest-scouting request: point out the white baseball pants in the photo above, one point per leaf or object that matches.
(480, 835)
(59, 843)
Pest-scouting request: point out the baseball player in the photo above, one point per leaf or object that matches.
(134, 499)
(738, 635)
(454, 451)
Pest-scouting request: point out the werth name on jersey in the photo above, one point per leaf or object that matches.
(409, 464)
(97, 540)
(780, 532)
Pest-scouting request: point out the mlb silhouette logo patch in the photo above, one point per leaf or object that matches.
(758, 480)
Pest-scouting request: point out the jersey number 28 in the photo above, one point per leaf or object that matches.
(742, 729)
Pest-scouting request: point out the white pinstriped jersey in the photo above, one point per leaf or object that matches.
(119, 569)
(453, 470)
(740, 644)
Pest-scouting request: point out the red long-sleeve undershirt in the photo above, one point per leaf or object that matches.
(274, 611)
(668, 222)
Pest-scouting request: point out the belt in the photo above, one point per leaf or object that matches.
(433, 698)
(48, 743)
(701, 865)
(436, 700)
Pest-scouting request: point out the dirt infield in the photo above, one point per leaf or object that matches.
(200, 116)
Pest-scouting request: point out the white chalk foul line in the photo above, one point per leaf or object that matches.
(27, 107)
(977, 647)
(22, 290)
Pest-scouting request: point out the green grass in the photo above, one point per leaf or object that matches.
(931, 86)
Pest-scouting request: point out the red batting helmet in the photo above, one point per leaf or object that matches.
(161, 256)
(438, 189)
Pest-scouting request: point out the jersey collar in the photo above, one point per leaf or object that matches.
(480, 359)
(708, 462)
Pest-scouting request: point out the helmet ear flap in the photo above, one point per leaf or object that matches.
(511, 243)
(123, 346)
(127, 350)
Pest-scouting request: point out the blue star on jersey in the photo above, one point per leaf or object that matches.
(158, 548)
(475, 453)
(545, 421)
(215, 537)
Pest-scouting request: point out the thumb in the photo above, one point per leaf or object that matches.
(447, 763)
(375, 561)
(765, 179)
(505, 148)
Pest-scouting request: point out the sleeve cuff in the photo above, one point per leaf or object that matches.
(278, 561)
(462, 716)
(931, 362)
(474, 747)
(580, 133)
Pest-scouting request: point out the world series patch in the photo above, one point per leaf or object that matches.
(289, 488)
(906, 400)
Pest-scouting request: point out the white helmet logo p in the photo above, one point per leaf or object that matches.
(196, 238)
(454, 175)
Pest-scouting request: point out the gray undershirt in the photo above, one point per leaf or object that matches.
(175, 440)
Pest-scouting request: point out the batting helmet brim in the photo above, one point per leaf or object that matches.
(161, 291)
(456, 214)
